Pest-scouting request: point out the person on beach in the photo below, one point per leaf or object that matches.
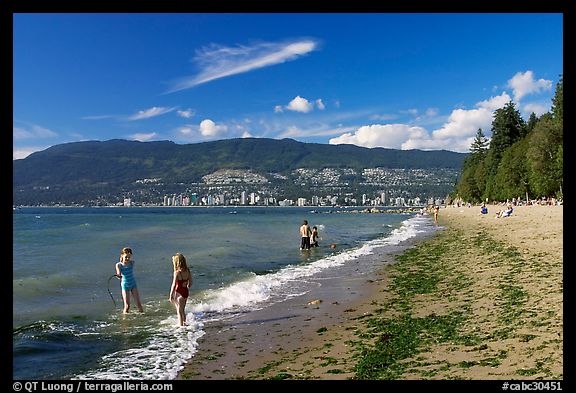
(314, 237)
(305, 236)
(483, 209)
(181, 282)
(506, 212)
(436, 211)
(125, 272)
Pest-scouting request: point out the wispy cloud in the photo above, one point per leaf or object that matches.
(143, 137)
(295, 131)
(217, 61)
(99, 117)
(32, 131)
(188, 113)
(148, 113)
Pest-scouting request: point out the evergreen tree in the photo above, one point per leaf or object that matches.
(472, 182)
(558, 101)
(511, 180)
(480, 143)
(544, 156)
(531, 122)
(507, 127)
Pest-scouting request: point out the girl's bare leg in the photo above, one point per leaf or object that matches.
(181, 304)
(126, 298)
(136, 295)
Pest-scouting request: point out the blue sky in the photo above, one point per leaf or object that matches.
(402, 81)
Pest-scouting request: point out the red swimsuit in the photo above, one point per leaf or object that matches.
(181, 288)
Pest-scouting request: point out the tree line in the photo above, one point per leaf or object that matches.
(523, 159)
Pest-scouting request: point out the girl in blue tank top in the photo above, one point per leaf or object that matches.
(125, 271)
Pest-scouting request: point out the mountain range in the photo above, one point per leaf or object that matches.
(92, 169)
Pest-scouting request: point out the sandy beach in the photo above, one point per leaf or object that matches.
(482, 299)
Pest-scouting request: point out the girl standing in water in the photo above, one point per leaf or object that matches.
(125, 271)
(181, 282)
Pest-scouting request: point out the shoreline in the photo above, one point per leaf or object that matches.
(506, 321)
(270, 343)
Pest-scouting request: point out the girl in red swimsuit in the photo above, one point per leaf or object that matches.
(181, 282)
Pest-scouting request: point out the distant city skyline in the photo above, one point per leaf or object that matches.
(401, 81)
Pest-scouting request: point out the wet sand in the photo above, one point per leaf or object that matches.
(315, 336)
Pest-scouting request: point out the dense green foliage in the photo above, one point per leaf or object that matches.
(523, 158)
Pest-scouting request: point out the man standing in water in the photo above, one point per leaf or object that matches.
(305, 235)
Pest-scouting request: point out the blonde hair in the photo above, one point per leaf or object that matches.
(126, 250)
(179, 262)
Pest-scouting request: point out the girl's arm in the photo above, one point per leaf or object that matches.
(118, 274)
(173, 287)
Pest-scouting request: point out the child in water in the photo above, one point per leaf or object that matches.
(181, 282)
(314, 237)
(125, 271)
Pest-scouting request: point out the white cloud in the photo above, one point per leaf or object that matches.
(185, 130)
(456, 134)
(494, 103)
(538, 109)
(98, 117)
(296, 132)
(210, 129)
(32, 131)
(300, 104)
(523, 84)
(188, 113)
(381, 135)
(463, 123)
(151, 112)
(217, 61)
(23, 152)
(453, 144)
(246, 134)
(143, 137)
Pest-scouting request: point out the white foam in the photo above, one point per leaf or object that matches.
(162, 358)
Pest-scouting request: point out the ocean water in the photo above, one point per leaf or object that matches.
(67, 310)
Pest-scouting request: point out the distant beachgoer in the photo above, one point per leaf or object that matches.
(506, 212)
(436, 210)
(181, 282)
(125, 271)
(305, 236)
(483, 209)
(314, 237)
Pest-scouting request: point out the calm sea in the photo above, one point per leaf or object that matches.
(67, 312)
